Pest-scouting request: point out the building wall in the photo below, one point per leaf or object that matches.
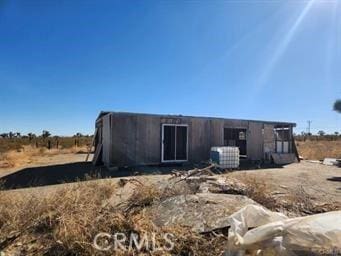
(269, 140)
(106, 140)
(254, 142)
(136, 139)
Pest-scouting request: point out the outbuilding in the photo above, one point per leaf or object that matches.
(132, 139)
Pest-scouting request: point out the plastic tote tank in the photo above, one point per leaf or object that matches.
(225, 157)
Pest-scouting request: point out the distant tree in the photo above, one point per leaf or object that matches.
(31, 136)
(45, 134)
(17, 135)
(4, 135)
(337, 106)
(78, 134)
(321, 133)
(336, 133)
(10, 135)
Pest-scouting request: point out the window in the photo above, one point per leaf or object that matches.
(283, 140)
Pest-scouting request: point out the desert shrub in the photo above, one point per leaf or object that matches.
(7, 144)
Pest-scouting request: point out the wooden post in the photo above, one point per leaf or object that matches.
(92, 144)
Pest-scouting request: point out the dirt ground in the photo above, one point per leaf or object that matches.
(47, 160)
(322, 183)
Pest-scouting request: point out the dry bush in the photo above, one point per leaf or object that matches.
(70, 216)
(66, 221)
(258, 190)
(295, 202)
(300, 202)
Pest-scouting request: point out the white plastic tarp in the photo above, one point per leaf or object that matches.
(276, 234)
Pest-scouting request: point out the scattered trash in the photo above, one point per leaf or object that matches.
(332, 161)
(314, 161)
(195, 172)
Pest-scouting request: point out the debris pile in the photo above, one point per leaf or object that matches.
(207, 213)
(332, 161)
(220, 205)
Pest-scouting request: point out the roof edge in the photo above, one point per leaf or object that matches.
(103, 113)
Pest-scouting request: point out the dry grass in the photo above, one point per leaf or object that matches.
(300, 202)
(66, 221)
(28, 154)
(295, 202)
(258, 190)
(319, 149)
(68, 217)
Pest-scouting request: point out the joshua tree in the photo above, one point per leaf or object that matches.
(321, 133)
(31, 136)
(45, 134)
(337, 106)
(78, 134)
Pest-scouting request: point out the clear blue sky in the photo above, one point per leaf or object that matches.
(62, 62)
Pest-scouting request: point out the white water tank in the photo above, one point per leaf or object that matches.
(225, 157)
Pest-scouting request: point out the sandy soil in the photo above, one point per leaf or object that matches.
(321, 182)
(47, 160)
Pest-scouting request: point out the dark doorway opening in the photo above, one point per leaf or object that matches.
(236, 137)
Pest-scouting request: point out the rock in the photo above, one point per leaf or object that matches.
(122, 194)
(223, 185)
(202, 212)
